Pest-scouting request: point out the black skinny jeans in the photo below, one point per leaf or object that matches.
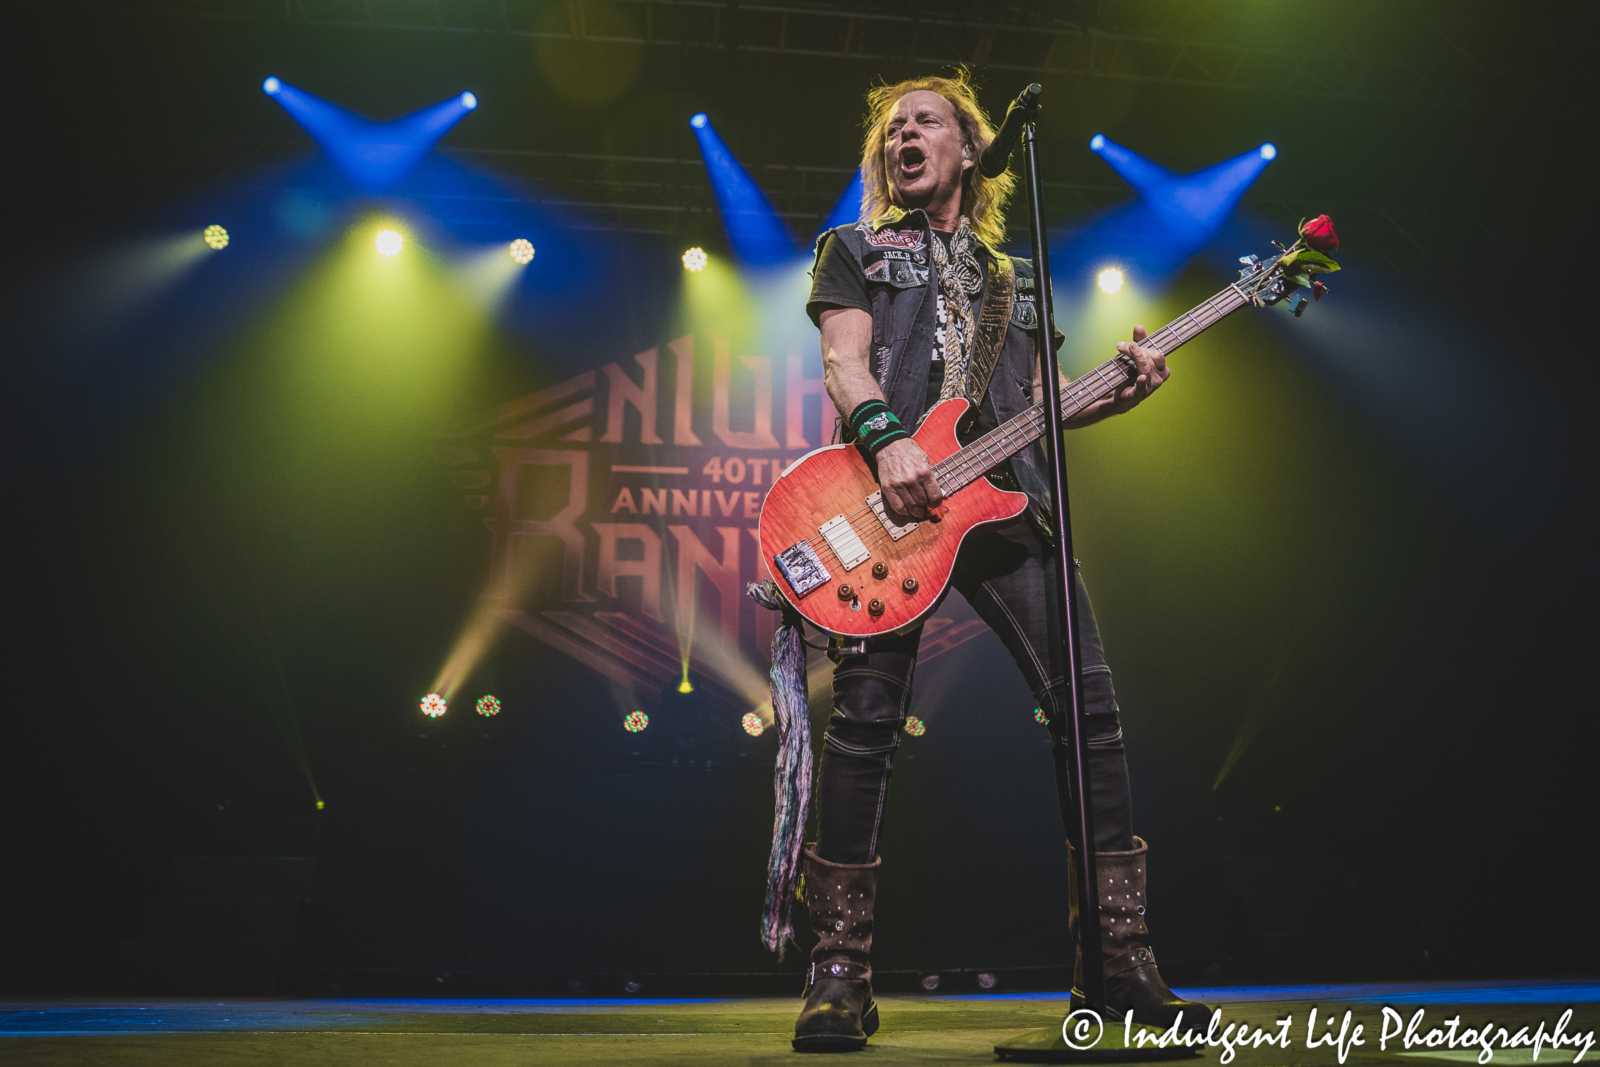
(1008, 576)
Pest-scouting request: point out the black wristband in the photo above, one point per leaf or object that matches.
(875, 427)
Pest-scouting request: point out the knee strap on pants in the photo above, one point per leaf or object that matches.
(1008, 580)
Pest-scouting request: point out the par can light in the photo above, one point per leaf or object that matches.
(699, 120)
(1097, 142)
(635, 721)
(389, 243)
(1110, 280)
(488, 706)
(216, 237)
(469, 101)
(752, 724)
(271, 86)
(522, 250)
(433, 705)
(694, 260)
(1269, 151)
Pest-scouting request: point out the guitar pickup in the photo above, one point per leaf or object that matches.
(895, 532)
(801, 568)
(845, 542)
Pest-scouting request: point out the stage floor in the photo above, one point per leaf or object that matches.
(178, 1032)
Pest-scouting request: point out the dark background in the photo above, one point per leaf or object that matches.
(1421, 791)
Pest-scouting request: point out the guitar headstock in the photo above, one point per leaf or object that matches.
(1295, 267)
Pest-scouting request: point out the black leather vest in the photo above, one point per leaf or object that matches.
(896, 260)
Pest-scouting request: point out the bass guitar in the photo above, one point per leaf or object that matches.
(845, 563)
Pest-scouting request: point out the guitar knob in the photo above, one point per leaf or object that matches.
(875, 607)
(846, 593)
(909, 585)
(880, 571)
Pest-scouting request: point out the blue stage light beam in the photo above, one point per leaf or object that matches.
(1174, 217)
(756, 234)
(848, 207)
(373, 155)
(1195, 205)
(1143, 174)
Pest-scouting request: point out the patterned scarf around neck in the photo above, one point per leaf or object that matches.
(960, 279)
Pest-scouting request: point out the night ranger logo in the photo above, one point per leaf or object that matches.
(622, 505)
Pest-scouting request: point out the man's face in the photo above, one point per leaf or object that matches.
(923, 153)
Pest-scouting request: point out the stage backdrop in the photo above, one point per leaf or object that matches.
(619, 510)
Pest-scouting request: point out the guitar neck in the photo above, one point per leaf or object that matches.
(970, 463)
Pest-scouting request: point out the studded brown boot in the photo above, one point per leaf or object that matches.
(839, 1014)
(1129, 964)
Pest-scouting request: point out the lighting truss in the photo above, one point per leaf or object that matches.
(1424, 54)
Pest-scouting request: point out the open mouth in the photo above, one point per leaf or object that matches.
(912, 161)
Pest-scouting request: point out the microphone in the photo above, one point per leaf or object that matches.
(992, 161)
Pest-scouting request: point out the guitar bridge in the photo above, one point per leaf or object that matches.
(801, 568)
(895, 532)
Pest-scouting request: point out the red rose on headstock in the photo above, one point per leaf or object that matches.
(1320, 234)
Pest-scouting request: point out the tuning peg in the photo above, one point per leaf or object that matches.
(1299, 309)
(1249, 260)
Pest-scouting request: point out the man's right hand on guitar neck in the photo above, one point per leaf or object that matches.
(909, 485)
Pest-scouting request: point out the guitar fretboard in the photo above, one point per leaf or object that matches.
(970, 463)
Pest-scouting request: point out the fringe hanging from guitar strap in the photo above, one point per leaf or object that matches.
(791, 777)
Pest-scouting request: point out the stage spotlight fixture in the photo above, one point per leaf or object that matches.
(930, 982)
(1110, 280)
(988, 981)
(321, 804)
(389, 243)
(685, 686)
(488, 706)
(635, 721)
(752, 724)
(469, 101)
(699, 120)
(522, 250)
(1040, 716)
(694, 260)
(433, 705)
(1097, 142)
(1269, 151)
(271, 86)
(216, 237)
(915, 726)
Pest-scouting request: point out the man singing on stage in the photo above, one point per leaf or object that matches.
(898, 298)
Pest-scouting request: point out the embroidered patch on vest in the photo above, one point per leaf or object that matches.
(1024, 312)
(904, 270)
(910, 240)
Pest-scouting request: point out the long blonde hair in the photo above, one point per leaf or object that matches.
(983, 200)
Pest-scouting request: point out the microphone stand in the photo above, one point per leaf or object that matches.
(1051, 1044)
(1066, 593)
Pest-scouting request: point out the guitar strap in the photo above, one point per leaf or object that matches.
(994, 316)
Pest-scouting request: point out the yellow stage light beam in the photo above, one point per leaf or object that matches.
(487, 277)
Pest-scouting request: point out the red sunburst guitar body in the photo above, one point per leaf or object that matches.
(858, 579)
